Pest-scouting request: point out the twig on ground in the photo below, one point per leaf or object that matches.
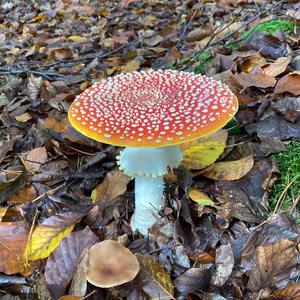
(180, 39)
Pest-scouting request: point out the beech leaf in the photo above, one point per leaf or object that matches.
(230, 170)
(63, 261)
(292, 291)
(153, 279)
(48, 235)
(200, 153)
(272, 261)
(13, 240)
(113, 186)
(199, 197)
(289, 83)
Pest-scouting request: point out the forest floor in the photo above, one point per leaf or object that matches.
(230, 235)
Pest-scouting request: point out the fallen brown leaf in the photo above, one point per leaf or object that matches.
(64, 260)
(28, 193)
(273, 262)
(290, 83)
(224, 264)
(192, 280)
(259, 80)
(153, 279)
(35, 158)
(13, 240)
(292, 291)
(230, 170)
(277, 67)
(113, 186)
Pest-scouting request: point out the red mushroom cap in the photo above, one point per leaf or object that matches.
(152, 108)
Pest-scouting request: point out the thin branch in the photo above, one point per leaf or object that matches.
(180, 39)
(212, 43)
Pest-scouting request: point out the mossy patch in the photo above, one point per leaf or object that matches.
(271, 27)
(289, 167)
(203, 59)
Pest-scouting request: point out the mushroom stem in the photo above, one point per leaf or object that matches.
(148, 202)
(147, 166)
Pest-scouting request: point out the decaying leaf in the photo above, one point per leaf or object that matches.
(200, 153)
(230, 170)
(193, 279)
(11, 187)
(276, 127)
(260, 80)
(35, 158)
(199, 197)
(224, 264)
(47, 236)
(153, 279)
(28, 193)
(273, 262)
(64, 260)
(13, 240)
(278, 67)
(289, 83)
(113, 186)
(292, 291)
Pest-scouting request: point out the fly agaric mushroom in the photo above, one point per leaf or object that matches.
(111, 264)
(150, 113)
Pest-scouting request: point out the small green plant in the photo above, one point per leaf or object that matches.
(271, 27)
(203, 59)
(289, 167)
(234, 127)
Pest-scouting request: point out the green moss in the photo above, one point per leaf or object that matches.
(203, 59)
(289, 167)
(234, 128)
(198, 61)
(271, 27)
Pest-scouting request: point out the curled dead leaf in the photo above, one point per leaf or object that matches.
(113, 186)
(259, 80)
(277, 67)
(230, 170)
(289, 83)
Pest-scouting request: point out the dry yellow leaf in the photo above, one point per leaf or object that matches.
(230, 170)
(199, 197)
(3, 211)
(47, 236)
(200, 153)
(131, 66)
(23, 118)
(156, 282)
(45, 239)
(77, 38)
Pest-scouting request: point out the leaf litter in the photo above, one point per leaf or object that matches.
(60, 192)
